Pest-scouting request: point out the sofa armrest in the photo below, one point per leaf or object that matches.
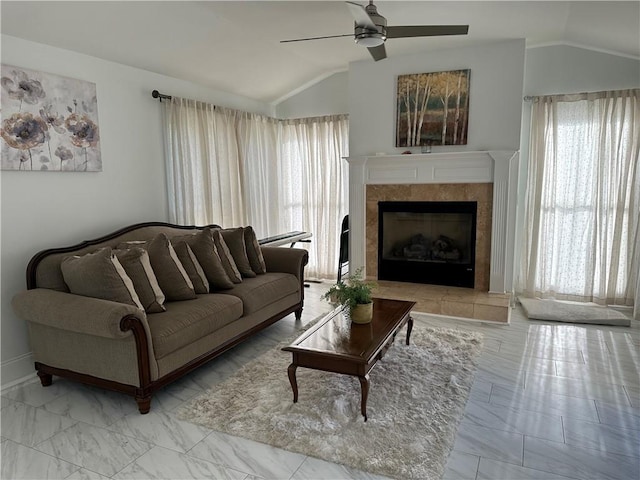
(66, 311)
(285, 260)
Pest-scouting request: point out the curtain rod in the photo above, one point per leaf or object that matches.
(572, 97)
(161, 96)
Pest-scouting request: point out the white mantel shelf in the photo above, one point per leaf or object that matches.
(497, 167)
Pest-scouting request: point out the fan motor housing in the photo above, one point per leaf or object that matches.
(363, 33)
(366, 35)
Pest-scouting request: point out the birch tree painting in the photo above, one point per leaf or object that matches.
(432, 108)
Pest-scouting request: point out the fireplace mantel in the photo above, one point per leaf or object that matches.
(497, 167)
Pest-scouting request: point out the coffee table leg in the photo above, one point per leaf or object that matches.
(292, 379)
(364, 386)
(409, 328)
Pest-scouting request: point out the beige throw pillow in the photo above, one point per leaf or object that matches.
(254, 252)
(226, 258)
(204, 247)
(99, 275)
(172, 278)
(136, 263)
(192, 267)
(234, 237)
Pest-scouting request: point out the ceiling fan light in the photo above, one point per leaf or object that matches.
(370, 39)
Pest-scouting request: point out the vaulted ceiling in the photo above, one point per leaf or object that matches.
(235, 46)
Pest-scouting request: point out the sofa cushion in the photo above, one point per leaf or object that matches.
(204, 247)
(263, 290)
(234, 237)
(99, 275)
(254, 252)
(192, 267)
(185, 322)
(228, 262)
(172, 277)
(136, 263)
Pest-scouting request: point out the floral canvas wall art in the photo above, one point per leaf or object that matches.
(49, 122)
(432, 108)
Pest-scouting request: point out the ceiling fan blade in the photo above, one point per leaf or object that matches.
(406, 31)
(316, 38)
(360, 15)
(378, 53)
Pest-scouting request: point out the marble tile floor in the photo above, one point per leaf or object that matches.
(549, 401)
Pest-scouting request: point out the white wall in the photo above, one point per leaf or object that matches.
(495, 96)
(566, 69)
(51, 209)
(327, 97)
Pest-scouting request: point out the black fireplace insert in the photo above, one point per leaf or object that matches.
(427, 242)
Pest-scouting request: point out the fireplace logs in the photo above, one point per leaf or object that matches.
(419, 247)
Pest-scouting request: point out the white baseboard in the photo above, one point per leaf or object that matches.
(17, 370)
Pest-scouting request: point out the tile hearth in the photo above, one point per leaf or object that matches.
(450, 301)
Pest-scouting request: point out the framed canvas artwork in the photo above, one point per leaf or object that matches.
(432, 108)
(49, 122)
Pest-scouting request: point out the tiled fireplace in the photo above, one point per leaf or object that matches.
(486, 179)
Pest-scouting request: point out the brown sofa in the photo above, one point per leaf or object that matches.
(120, 347)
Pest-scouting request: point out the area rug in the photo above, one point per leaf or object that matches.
(416, 400)
(555, 310)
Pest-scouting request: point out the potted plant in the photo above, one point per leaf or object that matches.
(354, 295)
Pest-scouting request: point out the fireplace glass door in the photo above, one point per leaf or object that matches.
(427, 242)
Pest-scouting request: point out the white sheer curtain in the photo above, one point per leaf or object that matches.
(236, 168)
(203, 163)
(582, 216)
(314, 178)
(258, 142)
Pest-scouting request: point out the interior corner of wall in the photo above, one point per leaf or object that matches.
(17, 370)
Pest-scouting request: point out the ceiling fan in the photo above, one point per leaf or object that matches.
(371, 30)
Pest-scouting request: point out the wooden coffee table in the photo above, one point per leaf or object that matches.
(336, 345)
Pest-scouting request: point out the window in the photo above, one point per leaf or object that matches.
(583, 200)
